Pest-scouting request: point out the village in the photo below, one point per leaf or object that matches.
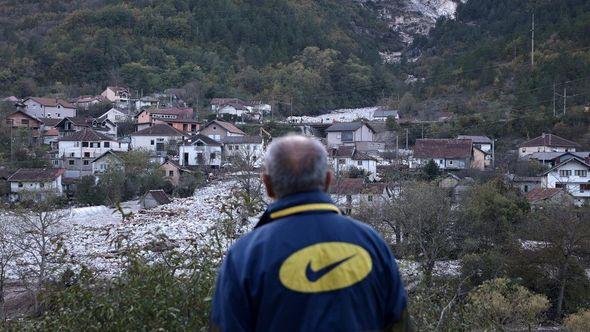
(363, 145)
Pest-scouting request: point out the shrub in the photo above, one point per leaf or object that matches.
(579, 322)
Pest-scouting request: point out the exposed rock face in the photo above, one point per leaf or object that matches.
(409, 18)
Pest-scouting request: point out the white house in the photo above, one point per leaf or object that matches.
(449, 154)
(49, 107)
(77, 151)
(217, 129)
(200, 150)
(108, 160)
(382, 114)
(233, 109)
(250, 147)
(35, 181)
(571, 175)
(156, 140)
(348, 133)
(116, 94)
(352, 194)
(546, 143)
(344, 158)
(115, 116)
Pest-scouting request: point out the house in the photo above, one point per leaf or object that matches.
(551, 159)
(21, 119)
(540, 196)
(458, 186)
(352, 194)
(348, 133)
(200, 150)
(217, 129)
(154, 198)
(572, 175)
(157, 139)
(77, 151)
(449, 154)
(546, 143)
(381, 114)
(148, 102)
(172, 171)
(244, 147)
(39, 107)
(70, 125)
(35, 181)
(344, 158)
(261, 107)
(180, 118)
(483, 143)
(85, 102)
(115, 116)
(524, 183)
(234, 109)
(218, 103)
(116, 94)
(109, 160)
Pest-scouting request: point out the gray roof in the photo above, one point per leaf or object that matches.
(384, 113)
(109, 152)
(553, 155)
(160, 196)
(205, 139)
(160, 129)
(241, 140)
(35, 174)
(476, 139)
(347, 126)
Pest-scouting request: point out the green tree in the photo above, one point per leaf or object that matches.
(430, 171)
(88, 193)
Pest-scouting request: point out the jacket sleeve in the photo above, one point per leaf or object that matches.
(230, 309)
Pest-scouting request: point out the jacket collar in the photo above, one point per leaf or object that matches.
(308, 201)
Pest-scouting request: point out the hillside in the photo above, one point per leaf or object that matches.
(279, 50)
(478, 67)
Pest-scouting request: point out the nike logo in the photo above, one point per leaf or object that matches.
(316, 275)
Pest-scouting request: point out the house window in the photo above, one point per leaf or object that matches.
(86, 162)
(20, 184)
(170, 173)
(450, 162)
(71, 154)
(360, 163)
(581, 173)
(370, 198)
(152, 142)
(42, 185)
(341, 161)
(565, 173)
(24, 121)
(86, 154)
(55, 162)
(229, 147)
(199, 143)
(71, 162)
(107, 144)
(560, 185)
(84, 144)
(584, 187)
(346, 136)
(526, 188)
(523, 150)
(212, 156)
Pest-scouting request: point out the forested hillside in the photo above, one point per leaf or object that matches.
(321, 54)
(478, 67)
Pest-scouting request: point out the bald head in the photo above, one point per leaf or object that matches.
(295, 164)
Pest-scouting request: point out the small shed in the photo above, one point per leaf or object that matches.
(154, 198)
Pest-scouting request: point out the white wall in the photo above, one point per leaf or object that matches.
(193, 151)
(145, 142)
(367, 165)
(75, 149)
(42, 186)
(572, 182)
(530, 150)
(37, 110)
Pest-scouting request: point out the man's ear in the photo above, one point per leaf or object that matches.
(268, 185)
(329, 178)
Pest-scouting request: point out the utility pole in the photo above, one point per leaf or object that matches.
(397, 146)
(533, 42)
(493, 153)
(554, 99)
(564, 99)
(407, 139)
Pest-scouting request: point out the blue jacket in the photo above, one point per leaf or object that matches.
(305, 267)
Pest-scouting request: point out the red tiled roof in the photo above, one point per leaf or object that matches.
(355, 186)
(549, 140)
(36, 174)
(51, 102)
(539, 194)
(442, 148)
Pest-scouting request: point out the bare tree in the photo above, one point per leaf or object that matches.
(7, 255)
(38, 236)
(245, 163)
(423, 211)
